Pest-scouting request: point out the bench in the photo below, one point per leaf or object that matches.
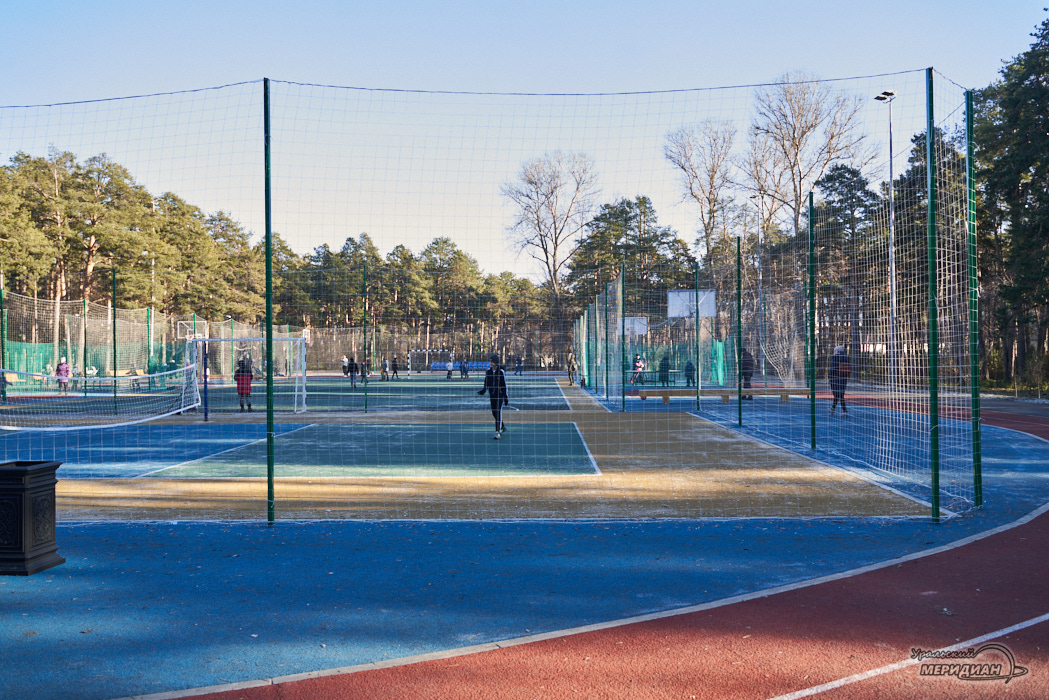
(725, 393)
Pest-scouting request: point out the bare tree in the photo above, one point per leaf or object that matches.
(764, 177)
(810, 126)
(702, 153)
(554, 196)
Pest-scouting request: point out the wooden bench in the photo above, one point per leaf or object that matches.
(725, 393)
(12, 378)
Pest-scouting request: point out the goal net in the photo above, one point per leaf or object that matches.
(231, 368)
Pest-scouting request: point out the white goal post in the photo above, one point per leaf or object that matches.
(227, 356)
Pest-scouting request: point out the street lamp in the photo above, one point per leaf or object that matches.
(887, 97)
(761, 296)
(738, 235)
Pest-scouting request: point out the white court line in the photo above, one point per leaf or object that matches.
(597, 469)
(216, 454)
(841, 682)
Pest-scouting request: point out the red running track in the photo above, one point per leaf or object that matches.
(844, 638)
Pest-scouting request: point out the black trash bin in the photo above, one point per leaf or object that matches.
(27, 518)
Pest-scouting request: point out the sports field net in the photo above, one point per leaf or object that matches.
(233, 374)
(588, 242)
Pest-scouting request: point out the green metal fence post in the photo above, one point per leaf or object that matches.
(271, 505)
(606, 340)
(367, 359)
(934, 341)
(695, 315)
(739, 332)
(114, 340)
(83, 351)
(622, 325)
(974, 306)
(811, 334)
(3, 347)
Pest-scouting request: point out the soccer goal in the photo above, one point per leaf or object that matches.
(221, 362)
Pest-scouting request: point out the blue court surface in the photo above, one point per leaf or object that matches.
(150, 607)
(869, 435)
(211, 450)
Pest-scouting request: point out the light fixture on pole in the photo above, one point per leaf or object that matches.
(761, 296)
(738, 235)
(887, 97)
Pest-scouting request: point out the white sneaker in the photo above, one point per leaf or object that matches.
(497, 436)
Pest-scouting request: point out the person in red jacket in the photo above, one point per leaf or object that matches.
(243, 379)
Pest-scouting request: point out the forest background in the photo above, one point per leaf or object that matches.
(67, 219)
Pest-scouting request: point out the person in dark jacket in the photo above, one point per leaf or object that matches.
(838, 373)
(664, 371)
(495, 385)
(746, 368)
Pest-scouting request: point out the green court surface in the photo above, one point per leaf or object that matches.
(417, 392)
(410, 450)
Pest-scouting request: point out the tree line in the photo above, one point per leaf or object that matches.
(66, 223)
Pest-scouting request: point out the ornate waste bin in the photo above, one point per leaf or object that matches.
(27, 518)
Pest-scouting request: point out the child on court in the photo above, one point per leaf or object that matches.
(495, 385)
(243, 379)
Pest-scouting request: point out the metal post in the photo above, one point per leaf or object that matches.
(974, 308)
(364, 363)
(695, 316)
(606, 341)
(114, 340)
(270, 433)
(811, 334)
(204, 343)
(622, 325)
(83, 351)
(3, 347)
(934, 350)
(894, 360)
(739, 332)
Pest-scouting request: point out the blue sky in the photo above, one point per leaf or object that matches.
(74, 50)
(70, 51)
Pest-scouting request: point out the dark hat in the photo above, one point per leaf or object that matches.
(494, 357)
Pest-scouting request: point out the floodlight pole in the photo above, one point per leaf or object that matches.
(270, 431)
(761, 296)
(887, 97)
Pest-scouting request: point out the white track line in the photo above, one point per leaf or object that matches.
(517, 641)
(969, 643)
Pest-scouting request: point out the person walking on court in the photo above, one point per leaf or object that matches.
(495, 385)
(572, 367)
(519, 366)
(351, 367)
(690, 373)
(838, 373)
(345, 366)
(243, 379)
(385, 375)
(746, 368)
(394, 368)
